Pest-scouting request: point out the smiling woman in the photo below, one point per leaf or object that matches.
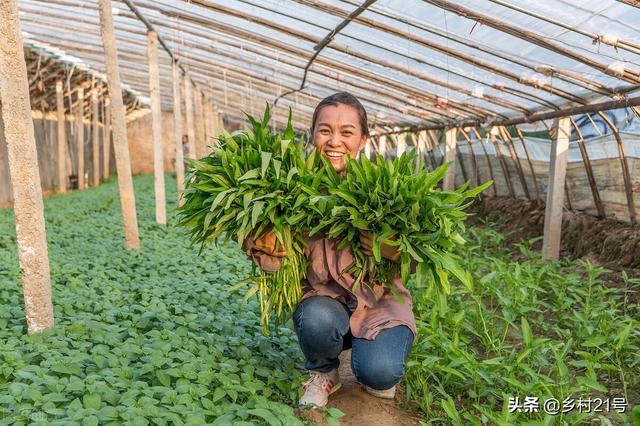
(333, 314)
(339, 127)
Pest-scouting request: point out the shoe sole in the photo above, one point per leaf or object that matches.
(380, 395)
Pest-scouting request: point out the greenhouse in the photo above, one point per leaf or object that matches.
(283, 212)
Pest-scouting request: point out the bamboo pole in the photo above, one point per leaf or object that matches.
(489, 165)
(506, 137)
(448, 183)
(28, 206)
(80, 137)
(555, 193)
(106, 139)
(120, 143)
(177, 120)
(474, 162)
(191, 129)
(156, 124)
(429, 149)
(626, 176)
(586, 161)
(62, 139)
(463, 168)
(503, 165)
(95, 146)
(533, 171)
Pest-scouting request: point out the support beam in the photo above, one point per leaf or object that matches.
(106, 139)
(33, 255)
(177, 120)
(62, 139)
(80, 138)
(555, 190)
(95, 139)
(156, 125)
(120, 143)
(448, 183)
(191, 125)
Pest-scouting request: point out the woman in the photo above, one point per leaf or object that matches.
(331, 317)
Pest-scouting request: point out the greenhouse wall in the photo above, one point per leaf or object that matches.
(141, 143)
(606, 165)
(46, 144)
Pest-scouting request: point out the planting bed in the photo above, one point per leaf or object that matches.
(155, 338)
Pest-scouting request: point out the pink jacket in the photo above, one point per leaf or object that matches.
(371, 312)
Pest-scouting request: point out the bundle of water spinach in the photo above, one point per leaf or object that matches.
(397, 201)
(253, 182)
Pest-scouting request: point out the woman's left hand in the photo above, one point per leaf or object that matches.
(387, 251)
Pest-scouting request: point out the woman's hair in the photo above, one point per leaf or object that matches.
(342, 98)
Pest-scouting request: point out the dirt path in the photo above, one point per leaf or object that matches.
(360, 408)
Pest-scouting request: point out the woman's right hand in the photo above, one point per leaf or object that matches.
(268, 243)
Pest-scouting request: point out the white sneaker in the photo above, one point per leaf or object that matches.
(385, 393)
(318, 388)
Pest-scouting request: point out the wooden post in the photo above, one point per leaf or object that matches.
(120, 144)
(80, 137)
(448, 184)
(555, 190)
(382, 146)
(215, 122)
(200, 133)
(206, 106)
(177, 120)
(95, 146)
(156, 124)
(367, 148)
(28, 206)
(106, 139)
(401, 144)
(62, 139)
(191, 129)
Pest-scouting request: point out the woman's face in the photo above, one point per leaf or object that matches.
(337, 133)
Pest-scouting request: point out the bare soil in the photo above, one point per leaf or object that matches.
(607, 243)
(360, 408)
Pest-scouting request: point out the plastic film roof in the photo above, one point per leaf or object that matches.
(411, 62)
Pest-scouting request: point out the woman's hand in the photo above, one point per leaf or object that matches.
(268, 242)
(387, 251)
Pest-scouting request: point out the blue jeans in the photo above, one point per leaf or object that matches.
(322, 325)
